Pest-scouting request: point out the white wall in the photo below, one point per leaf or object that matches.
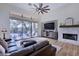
(25, 12)
(70, 10)
(4, 19)
(5, 10)
(28, 16)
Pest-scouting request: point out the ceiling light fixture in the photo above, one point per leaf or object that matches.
(40, 8)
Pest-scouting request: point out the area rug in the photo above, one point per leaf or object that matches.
(57, 47)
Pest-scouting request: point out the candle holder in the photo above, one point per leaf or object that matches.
(4, 32)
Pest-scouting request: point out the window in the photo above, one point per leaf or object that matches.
(15, 29)
(34, 29)
(23, 29)
(26, 29)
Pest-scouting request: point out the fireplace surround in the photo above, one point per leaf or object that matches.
(69, 30)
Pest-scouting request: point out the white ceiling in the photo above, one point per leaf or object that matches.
(27, 7)
(28, 10)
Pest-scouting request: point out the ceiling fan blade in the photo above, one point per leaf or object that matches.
(35, 6)
(29, 4)
(38, 12)
(46, 6)
(46, 9)
(42, 12)
(40, 5)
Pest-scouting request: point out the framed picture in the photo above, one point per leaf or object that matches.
(69, 21)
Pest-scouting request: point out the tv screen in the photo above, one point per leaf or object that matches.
(49, 26)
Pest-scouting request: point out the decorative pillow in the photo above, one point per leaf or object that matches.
(27, 43)
(3, 43)
(2, 51)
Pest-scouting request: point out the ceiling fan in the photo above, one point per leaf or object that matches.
(40, 8)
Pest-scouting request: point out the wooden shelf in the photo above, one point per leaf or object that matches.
(68, 26)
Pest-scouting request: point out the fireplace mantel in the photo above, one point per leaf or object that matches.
(68, 26)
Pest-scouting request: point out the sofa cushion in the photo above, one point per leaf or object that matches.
(45, 51)
(40, 45)
(22, 51)
(26, 43)
(3, 43)
(41, 42)
(2, 51)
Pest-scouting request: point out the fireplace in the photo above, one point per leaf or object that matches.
(70, 36)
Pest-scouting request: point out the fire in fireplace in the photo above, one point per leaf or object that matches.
(70, 36)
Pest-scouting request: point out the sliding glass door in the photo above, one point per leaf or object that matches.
(22, 29)
(26, 29)
(34, 29)
(15, 29)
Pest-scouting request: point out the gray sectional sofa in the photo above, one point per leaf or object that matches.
(40, 48)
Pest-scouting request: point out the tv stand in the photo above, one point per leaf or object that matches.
(50, 34)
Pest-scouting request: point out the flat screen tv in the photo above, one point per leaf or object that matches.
(49, 26)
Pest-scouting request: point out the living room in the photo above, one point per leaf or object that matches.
(54, 25)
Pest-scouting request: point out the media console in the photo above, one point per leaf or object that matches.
(50, 34)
